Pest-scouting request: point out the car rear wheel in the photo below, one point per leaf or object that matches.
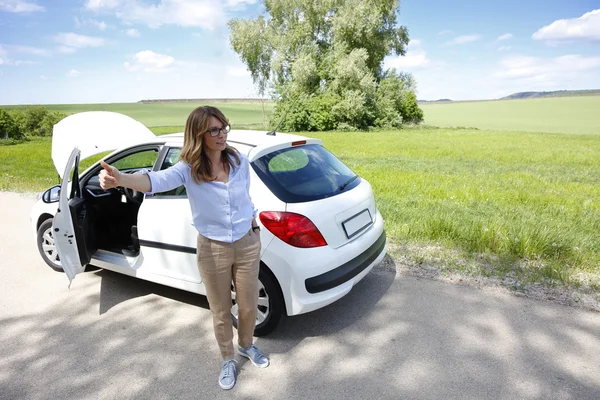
(47, 247)
(270, 304)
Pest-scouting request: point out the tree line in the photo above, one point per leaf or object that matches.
(18, 124)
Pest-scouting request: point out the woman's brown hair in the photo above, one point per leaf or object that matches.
(193, 151)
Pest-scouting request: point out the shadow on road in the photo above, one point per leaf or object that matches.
(392, 337)
(117, 288)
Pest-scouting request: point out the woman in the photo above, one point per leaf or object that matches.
(217, 179)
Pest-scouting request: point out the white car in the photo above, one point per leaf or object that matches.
(321, 232)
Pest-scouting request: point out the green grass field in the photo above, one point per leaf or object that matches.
(482, 202)
(580, 114)
(241, 114)
(522, 199)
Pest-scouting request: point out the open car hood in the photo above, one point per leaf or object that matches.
(95, 132)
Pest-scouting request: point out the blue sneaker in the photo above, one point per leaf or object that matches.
(254, 355)
(227, 376)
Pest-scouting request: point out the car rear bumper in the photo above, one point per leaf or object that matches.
(347, 271)
(314, 301)
(314, 278)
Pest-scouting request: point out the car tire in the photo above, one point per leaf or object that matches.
(47, 247)
(269, 289)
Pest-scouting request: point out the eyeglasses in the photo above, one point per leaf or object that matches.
(214, 132)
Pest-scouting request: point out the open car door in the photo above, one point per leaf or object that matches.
(73, 233)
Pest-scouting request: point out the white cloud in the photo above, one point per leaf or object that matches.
(446, 32)
(43, 77)
(513, 74)
(90, 22)
(414, 58)
(547, 72)
(70, 42)
(6, 60)
(208, 14)
(586, 27)
(465, 39)
(20, 6)
(132, 32)
(149, 61)
(100, 4)
(99, 24)
(506, 36)
(73, 73)
(504, 48)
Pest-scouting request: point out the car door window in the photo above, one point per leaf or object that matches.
(129, 163)
(137, 161)
(171, 159)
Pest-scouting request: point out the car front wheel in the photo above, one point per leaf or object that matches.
(270, 304)
(47, 247)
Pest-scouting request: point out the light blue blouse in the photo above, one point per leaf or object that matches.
(220, 211)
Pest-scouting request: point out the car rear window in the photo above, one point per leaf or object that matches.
(304, 173)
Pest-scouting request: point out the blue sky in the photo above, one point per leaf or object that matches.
(98, 51)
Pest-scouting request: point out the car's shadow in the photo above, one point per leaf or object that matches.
(117, 288)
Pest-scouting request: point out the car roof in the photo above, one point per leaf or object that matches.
(256, 142)
(251, 138)
(94, 132)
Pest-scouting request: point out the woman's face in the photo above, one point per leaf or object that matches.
(215, 143)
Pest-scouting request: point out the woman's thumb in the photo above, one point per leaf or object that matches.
(108, 168)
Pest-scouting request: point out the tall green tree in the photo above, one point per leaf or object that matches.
(327, 55)
(9, 129)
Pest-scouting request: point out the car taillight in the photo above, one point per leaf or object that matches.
(294, 229)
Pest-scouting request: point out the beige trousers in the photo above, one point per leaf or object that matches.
(219, 264)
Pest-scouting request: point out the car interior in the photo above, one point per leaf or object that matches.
(107, 220)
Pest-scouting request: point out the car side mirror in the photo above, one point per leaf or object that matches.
(51, 195)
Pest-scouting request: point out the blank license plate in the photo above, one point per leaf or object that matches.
(354, 225)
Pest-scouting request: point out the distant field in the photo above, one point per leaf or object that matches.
(579, 114)
(241, 114)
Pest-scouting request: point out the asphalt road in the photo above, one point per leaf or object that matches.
(394, 336)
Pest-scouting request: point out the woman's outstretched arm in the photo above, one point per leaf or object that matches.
(110, 177)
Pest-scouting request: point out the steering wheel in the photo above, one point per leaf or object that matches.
(133, 195)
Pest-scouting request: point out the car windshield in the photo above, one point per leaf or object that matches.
(304, 173)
